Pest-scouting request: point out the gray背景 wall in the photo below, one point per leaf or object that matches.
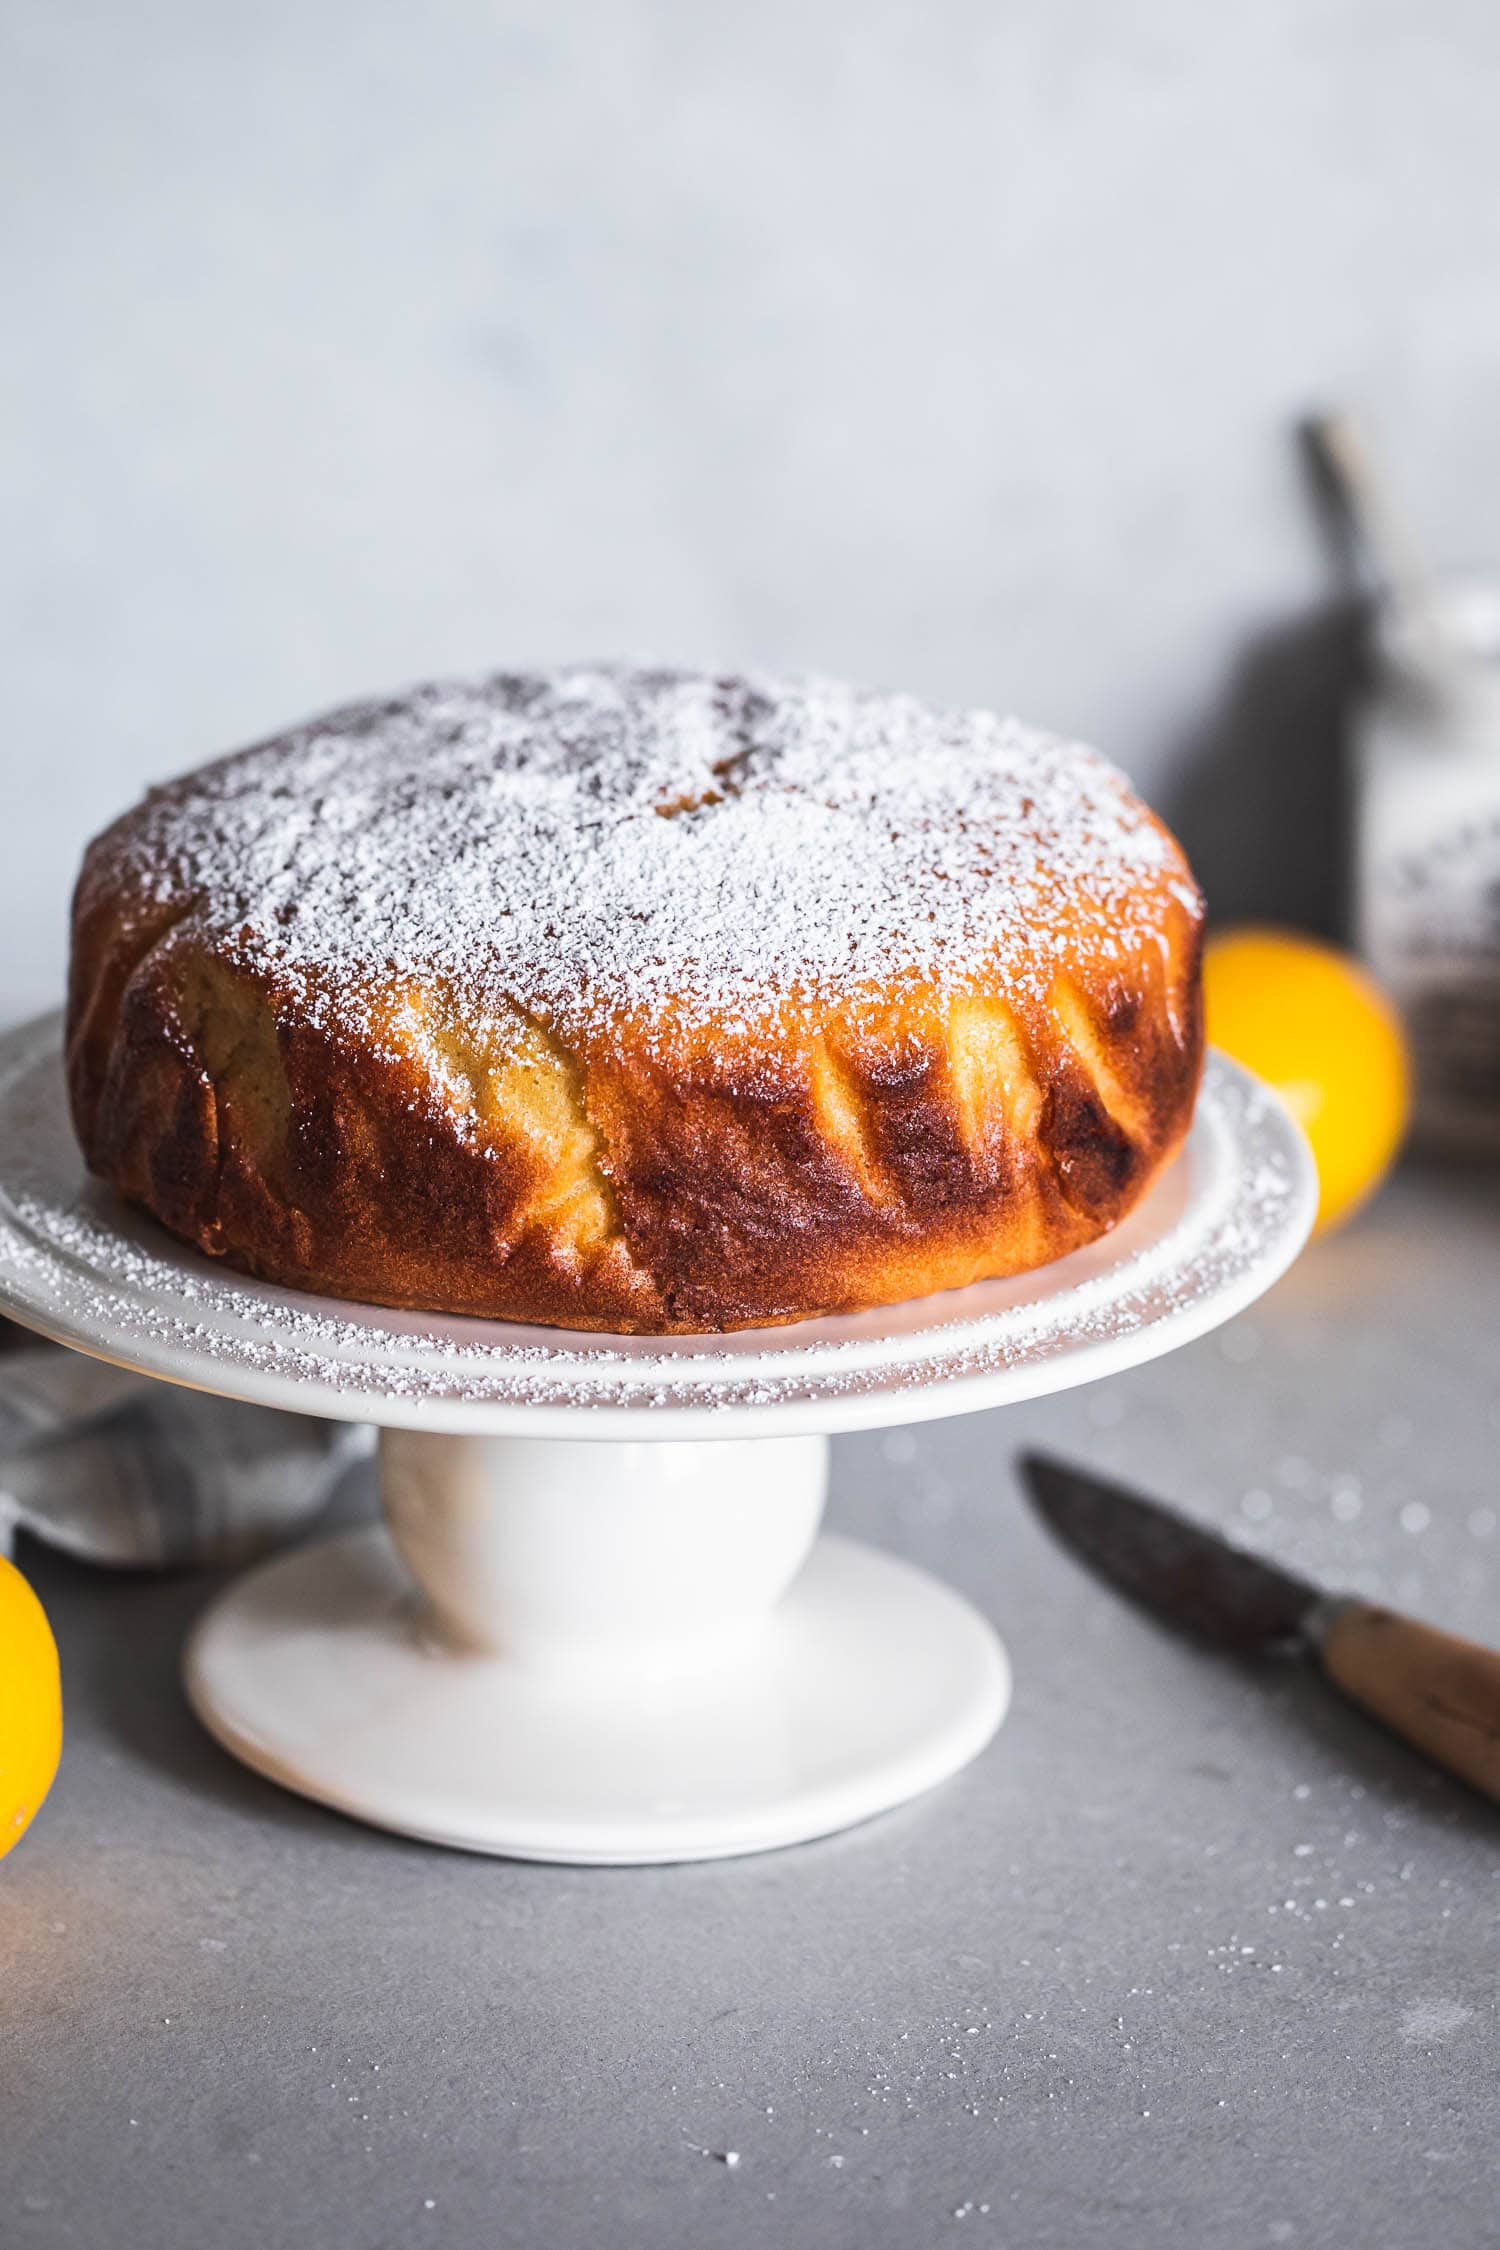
(949, 347)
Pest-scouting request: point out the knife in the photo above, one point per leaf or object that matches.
(1440, 1693)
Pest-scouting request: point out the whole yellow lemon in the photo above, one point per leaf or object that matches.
(1311, 1022)
(30, 1706)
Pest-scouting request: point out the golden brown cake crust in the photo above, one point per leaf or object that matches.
(637, 1001)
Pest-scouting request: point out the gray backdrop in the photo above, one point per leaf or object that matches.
(953, 347)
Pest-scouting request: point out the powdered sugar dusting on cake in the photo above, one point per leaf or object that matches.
(607, 839)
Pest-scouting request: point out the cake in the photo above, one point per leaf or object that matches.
(637, 1000)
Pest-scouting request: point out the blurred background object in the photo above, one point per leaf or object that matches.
(30, 1706)
(953, 348)
(1311, 1022)
(1424, 800)
(1427, 867)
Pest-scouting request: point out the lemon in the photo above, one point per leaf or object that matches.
(30, 1706)
(1311, 1022)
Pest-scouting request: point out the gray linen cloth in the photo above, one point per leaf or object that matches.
(118, 1468)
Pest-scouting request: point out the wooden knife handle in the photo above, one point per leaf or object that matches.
(1441, 1693)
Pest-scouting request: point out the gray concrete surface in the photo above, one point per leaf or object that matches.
(1191, 1955)
(949, 347)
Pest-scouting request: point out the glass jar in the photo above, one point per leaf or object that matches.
(1427, 851)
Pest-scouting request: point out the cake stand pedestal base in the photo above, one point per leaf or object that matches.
(604, 1652)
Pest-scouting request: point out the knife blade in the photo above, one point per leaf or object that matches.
(1440, 1693)
(1193, 1577)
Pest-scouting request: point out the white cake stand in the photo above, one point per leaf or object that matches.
(599, 1623)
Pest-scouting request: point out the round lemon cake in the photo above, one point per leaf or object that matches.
(632, 999)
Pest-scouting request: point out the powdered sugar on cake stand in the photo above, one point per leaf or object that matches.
(602, 1625)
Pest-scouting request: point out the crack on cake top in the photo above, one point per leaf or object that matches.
(506, 836)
